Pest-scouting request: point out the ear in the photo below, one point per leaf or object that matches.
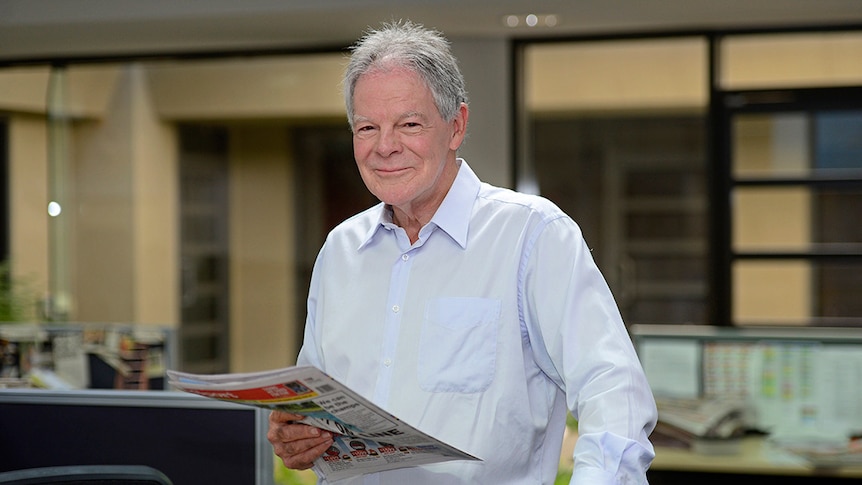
(459, 127)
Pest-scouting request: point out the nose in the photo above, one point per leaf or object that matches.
(388, 143)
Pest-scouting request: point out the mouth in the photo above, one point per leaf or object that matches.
(390, 172)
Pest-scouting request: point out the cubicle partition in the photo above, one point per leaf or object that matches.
(192, 440)
(791, 377)
(800, 388)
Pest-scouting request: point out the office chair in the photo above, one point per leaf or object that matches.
(86, 475)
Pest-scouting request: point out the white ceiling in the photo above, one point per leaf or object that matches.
(43, 29)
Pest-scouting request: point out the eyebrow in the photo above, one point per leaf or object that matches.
(409, 114)
(412, 114)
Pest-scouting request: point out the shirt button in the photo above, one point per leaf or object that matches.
(405, 257)
(395, 308)
(387, 362)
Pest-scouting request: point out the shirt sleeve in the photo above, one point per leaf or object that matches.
(580, 342)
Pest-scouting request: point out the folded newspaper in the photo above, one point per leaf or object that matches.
(367, 438)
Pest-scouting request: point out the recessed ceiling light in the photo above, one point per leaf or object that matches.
(531, 20)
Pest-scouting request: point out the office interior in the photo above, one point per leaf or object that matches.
(171, 171)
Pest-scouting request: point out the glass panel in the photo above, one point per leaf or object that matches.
(799, 219)
(797, 144)
(838, 216)
(838, 287)
(774, 218)
(791, 60)
(772, 292)
(838, 136)
(797, 292)
(204, 247)
(774, 144)
(636, 186)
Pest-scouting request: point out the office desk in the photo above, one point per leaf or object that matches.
(754, 463)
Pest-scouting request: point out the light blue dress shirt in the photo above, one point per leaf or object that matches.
(483, 333)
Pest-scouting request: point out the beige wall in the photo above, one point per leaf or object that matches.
(825, 59)
(155, 189)
(28, 201)
(255, 88)
(124, 251)
(22, 90)
(630, 75)
(262, 248)
(120, 246)
(671, 73)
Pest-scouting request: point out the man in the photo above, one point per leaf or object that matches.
(474, 313)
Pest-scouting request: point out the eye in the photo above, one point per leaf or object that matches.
(411, 126)
(364, 130)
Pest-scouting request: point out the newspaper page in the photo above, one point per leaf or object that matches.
(367, 439)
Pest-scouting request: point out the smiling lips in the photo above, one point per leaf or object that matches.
(390, 171)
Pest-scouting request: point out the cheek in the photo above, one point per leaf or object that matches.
(360, 149)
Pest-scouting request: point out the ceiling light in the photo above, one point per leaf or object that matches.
(531, 20)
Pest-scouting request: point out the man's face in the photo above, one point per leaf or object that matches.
(401, 143)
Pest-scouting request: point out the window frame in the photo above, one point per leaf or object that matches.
(731, 103)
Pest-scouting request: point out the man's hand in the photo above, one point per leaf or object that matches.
(298, 445)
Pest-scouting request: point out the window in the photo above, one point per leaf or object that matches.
(717, 178)
(788, 243)
(616, 136)
(795, 202)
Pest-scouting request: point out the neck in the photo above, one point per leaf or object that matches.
(411, 225)
(415, 214)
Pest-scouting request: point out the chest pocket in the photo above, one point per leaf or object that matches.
(458, 344)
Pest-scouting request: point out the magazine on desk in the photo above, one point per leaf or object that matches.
(367, 438)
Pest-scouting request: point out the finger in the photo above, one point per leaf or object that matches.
(300, 459)
(284, 417)
(285, 433)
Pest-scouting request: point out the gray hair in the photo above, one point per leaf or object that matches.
(408, 45)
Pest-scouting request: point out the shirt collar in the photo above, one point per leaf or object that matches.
(453, 215)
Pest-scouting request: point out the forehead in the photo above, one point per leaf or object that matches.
(390, 84)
